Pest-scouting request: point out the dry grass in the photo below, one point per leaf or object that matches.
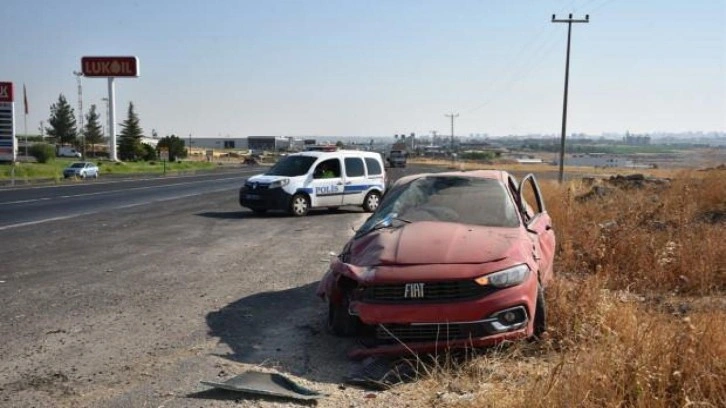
(637, 314)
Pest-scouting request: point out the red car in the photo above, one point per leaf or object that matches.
(448, 260)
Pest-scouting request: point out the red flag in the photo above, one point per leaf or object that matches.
(25, 99)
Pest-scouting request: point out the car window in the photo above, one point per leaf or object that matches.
(374, 167)
(77, 165)
(465, 200)
(354, 167)
(291, 166)
(327, 169)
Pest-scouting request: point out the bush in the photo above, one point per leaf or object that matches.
(43, 152)
(149, 152)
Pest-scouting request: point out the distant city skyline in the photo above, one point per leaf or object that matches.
(378, 68)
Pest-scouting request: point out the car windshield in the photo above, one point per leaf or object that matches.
(465, 200)
(77, 165)
(291, 166)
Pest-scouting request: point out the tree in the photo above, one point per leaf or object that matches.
(130, 147)
(175, 145)
(62, 122)
(93, 131)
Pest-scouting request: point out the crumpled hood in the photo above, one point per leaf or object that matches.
(429, 242)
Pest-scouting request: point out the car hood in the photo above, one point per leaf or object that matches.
(263, 179)
(429, 242)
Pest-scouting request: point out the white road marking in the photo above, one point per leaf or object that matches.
(65, 217)
(116, 191)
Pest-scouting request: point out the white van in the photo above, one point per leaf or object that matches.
(68, 152)
(302, 181)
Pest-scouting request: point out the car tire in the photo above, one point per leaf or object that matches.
(540, 313)
(299, 205)
(371, 202)
(340, 322)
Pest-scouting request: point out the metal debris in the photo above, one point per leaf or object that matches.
(266, 384)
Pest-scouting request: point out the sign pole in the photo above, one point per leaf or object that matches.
(112, 119)
(111, 68)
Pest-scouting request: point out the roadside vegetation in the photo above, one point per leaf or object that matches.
(54, 169)
(637, 314)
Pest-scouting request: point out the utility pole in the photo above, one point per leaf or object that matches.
(569, 22)
(452, 116)
(80, 112)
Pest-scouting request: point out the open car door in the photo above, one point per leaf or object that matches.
(539, 224)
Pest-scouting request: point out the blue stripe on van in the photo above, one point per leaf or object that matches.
(359, 188)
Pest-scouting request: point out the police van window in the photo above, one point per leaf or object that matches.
(374, 168)
(354, 167)
(327, 169)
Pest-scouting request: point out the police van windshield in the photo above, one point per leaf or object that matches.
(291, 166)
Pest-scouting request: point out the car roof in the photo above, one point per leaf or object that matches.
(500, 175)
(337, 153)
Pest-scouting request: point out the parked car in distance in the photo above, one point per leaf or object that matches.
(397, 158)
(448, 260)
(81, 169)
(68, 152)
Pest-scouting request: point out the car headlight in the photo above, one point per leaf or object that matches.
(506, 278)
(279, 183)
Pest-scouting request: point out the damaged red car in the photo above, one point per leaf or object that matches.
(448, 260)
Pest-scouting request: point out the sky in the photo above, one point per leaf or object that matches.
(377, 68)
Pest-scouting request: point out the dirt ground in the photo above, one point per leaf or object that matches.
(135, 309)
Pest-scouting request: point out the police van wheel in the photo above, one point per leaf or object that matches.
(299, 205)
(371, 201)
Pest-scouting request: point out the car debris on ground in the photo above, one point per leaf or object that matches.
(267, 384)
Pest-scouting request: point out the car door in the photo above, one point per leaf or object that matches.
(327, 184)
(539, 225)
(356, 183)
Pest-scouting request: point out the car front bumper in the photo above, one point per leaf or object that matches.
(397, 329)
(264, 198)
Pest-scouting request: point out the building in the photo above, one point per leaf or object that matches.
(232, 143)
(596, 160)
(268, 143)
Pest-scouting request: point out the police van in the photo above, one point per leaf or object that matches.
(315, 179)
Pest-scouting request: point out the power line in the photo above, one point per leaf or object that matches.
(569, 22)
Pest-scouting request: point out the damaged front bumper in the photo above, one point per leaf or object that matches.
(399, 329)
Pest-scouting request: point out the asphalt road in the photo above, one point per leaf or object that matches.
(128, 293)
(34, 205)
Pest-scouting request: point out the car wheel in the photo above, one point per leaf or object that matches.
(540, 313)
(82, 175)
(340, 322)
(299, 205)
(370, 203)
